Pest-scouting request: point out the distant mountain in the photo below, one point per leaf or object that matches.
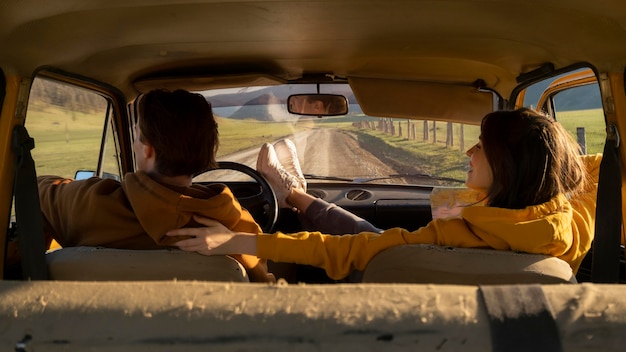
(262, 108)
(281, 93)
(267, 104)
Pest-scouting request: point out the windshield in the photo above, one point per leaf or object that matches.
(350, 148)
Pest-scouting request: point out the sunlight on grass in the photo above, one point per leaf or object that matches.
(427, 157)
(64, 142)
(237, 135)
(592, 121)
(413, 155)
(448, 160)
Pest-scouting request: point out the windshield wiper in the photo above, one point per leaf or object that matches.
(426, 176)
(327, 178)
(370, 179)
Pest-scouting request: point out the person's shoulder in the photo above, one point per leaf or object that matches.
(207, 191)
(98, 185)
(213, 188)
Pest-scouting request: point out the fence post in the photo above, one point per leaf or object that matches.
(582, 139)
(408, 129)
(461, 138)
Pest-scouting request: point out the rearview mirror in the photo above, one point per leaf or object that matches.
(317, 104)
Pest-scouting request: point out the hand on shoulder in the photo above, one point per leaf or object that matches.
(214, 239)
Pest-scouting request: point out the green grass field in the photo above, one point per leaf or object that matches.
(592, 121)
(65, 143)
(236, 135)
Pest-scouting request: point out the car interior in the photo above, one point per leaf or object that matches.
(408, 195)
(382, 100)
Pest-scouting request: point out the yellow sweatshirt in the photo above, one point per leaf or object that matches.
(562, 228)
(136, 213)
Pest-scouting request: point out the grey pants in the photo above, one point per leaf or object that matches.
(330, 219)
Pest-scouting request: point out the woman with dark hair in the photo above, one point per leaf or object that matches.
(539, 197)
(532, 159)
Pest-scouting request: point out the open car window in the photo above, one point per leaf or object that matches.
(572, 98)
(72, 130)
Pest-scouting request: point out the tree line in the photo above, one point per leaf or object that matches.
(45, 93)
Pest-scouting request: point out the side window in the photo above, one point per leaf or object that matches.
(574, 99)
(70, 126)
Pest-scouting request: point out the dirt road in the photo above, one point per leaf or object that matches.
(323, 152)
(329, 152)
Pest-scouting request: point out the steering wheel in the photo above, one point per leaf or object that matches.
(261, 203)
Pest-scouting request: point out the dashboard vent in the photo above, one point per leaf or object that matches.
(358, 194)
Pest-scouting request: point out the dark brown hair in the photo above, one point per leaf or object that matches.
(181, 128)
(532, 158)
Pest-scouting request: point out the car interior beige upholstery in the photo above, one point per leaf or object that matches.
(107, 264)
(414, 98)
(464, 266)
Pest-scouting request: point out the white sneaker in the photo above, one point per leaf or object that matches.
(288, 157)
(279, 179)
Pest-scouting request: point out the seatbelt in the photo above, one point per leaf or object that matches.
(32, 244)
(608, 229)
(520, 319)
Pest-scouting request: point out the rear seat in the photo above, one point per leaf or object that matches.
(107, 264)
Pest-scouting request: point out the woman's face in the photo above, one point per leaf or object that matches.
(479, 175)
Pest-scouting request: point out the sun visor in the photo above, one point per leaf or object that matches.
(423, 100)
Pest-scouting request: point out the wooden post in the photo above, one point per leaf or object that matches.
(582, 139)
(461, 138)
(408, 129)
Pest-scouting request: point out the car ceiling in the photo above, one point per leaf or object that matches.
(120, 42)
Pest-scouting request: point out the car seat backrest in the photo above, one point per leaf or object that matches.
(428, 263)
(107, 264)
(464, 266)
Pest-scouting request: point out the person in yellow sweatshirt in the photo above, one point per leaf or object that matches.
(539, 197)
(176, 137)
